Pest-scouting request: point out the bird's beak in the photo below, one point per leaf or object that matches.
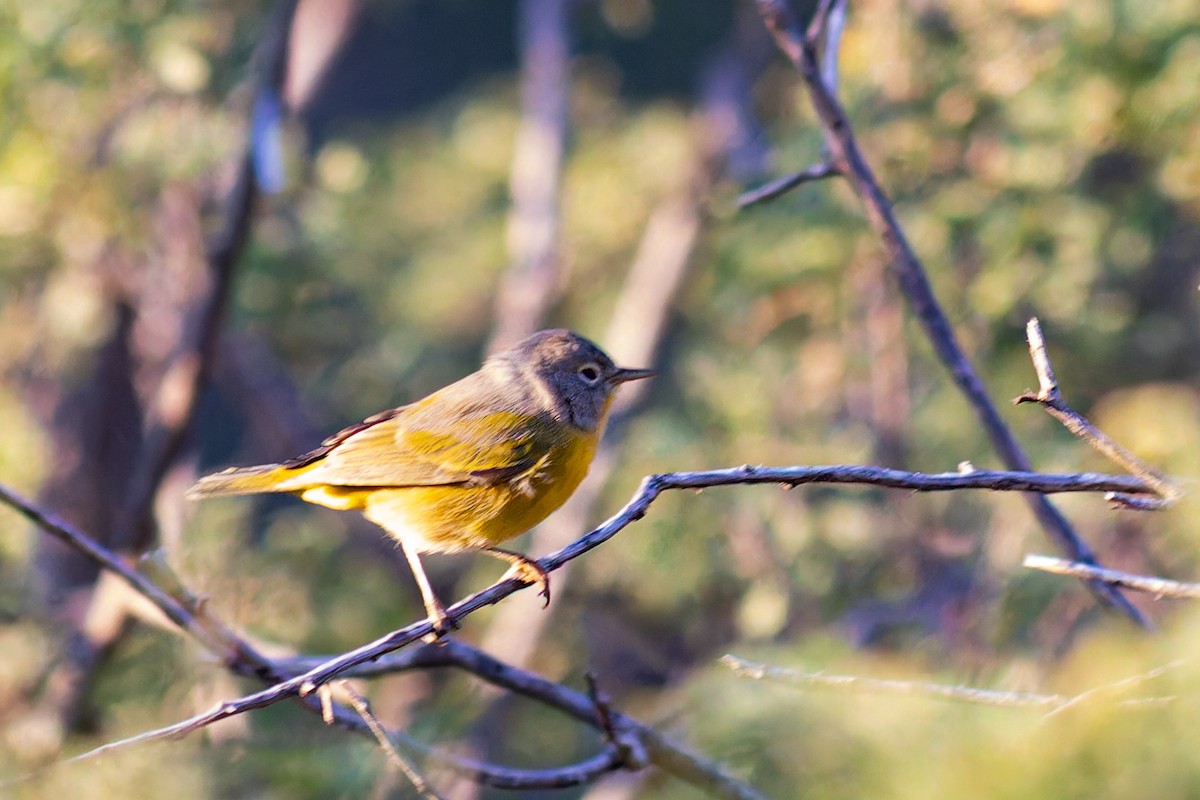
(623, 375)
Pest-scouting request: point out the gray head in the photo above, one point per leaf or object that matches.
(575, 377)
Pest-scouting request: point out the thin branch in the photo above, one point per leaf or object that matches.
(834, 24)
(781, 186)
(855, 683)
(1120, 686)
(846, 156)
(1159, 587)
(652, 486)
(578, 774)
(610, 759)
(631, 751)
(242, 659)
(1050, 398)
(1053, 703)
(398, 759)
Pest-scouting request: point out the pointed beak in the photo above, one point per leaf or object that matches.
(623, 375)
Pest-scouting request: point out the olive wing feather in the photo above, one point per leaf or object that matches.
(410, 446)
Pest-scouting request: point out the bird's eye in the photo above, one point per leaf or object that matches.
(590, 373)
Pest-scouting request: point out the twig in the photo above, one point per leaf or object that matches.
(1119, 686)
(630, 749)
(1054, 703)
(855, 683)
(832, 24)
(781, 186)
(610, 759)
(1050, 398)
(845, 155)
(1159, 587)
(406, 767)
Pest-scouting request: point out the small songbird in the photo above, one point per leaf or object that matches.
(468, 467)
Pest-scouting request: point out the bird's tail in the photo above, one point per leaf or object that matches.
(242, 480)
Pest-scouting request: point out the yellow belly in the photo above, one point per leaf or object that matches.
(448, 518)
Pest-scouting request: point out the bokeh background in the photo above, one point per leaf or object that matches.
(1044, 158)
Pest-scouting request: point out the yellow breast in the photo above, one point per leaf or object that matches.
(450, 518)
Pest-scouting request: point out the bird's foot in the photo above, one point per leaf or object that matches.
(531, 572)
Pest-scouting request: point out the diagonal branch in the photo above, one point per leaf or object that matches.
(1053, 704)
(857, 683)
(1159, 587)
(847, 158)
(1049, 398)
(781, 186)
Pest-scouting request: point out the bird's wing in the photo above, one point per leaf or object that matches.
(428, 444)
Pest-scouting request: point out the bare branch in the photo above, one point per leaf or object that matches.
(395, 757)
(578, 774)
(1120, 686)
(1159, 587)
(1050, 398)
(1054, 703)
(835, 24)
(781, 186)
(845, 155)
(856, 683)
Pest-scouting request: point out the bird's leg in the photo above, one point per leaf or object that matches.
(524, 568)
(442, 622)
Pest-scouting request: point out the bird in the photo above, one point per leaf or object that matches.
(469, 467)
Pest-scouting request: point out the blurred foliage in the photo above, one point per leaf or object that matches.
(1044, 158)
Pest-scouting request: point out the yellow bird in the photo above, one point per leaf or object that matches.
(470, 466)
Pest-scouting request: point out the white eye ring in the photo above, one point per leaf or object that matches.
(590, 373)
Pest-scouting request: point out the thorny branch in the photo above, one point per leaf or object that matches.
(802, 49)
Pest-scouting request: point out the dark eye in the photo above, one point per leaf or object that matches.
(590, 372)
